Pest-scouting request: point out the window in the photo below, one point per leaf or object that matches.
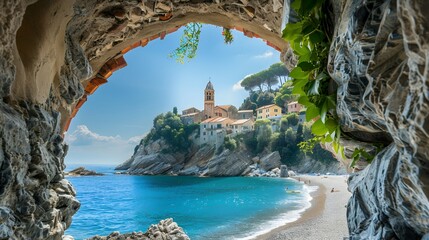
(276, 110)
(244, 116)
(260, 111)
(211, 133)
(219, 126)
(295, 105)
(205, 126)
(211, 126)
(204, 133)
(267, 110)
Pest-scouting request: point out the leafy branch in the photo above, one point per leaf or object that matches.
(228, 37)
(310, 44)
(188, 43)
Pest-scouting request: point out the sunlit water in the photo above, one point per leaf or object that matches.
(206, 208)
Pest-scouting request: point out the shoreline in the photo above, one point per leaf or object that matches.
(324, 219)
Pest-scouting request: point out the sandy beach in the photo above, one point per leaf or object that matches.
(325, 219)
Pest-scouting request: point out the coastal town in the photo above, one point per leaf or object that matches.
(218, 121)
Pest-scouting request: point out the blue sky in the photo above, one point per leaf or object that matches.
(119, 113)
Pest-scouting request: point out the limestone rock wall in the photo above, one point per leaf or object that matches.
(48, 51)
(379, 61)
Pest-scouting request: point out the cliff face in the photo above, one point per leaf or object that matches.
(379, 60)
(152, 159)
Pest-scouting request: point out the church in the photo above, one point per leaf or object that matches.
(217, 121)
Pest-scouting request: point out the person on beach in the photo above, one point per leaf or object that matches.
(332, 190)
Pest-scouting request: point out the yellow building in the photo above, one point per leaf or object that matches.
(268, 111)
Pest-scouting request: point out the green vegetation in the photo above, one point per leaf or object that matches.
(170, 128)
(260, 87)
(266, 79)
(227, 35)
(190, 39)
(230, 143)
(311, 81)
(188, 43)
(285, 140)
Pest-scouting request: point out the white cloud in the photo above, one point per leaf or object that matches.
(83, 136)
(266, 54)
(136, 139)
(237, 86)
(87, 146)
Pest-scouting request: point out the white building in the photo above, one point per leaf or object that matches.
(214, 130)
(242, 125)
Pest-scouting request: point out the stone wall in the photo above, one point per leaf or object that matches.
(379, 59)
(50, 50)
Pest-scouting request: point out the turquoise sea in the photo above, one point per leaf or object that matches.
(206, 208)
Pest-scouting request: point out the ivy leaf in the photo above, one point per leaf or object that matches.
(335, 145)
(298, 91)
(296, 5)
(323, 111)
(312, 112)
(306, 6)
(331, 125)
(301, 49)
(292, 31)
(322, 76)
(298, 73)
(314, 89)
(318, 128)
(316, 37)
(306, 66)
(331, 101)
(304, 101)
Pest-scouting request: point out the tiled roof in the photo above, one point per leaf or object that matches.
(266, 106)
(239, 122)
(213, 120)
(224, 107)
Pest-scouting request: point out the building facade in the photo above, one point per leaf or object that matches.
(294, 107)
(242, 125)
(190, 110)
(245, 114)
(268, 111)
(209, 101)
(214, 130)
(228, 111)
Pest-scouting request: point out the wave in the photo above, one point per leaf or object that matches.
(287, 217)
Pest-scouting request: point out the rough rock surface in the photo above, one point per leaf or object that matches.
(313, 166)
(81, 171)
(378, 58)
(166, 229)
(35, 201)
(270, 161)
(284, 171)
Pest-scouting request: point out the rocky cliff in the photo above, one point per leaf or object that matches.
(152, 159)
(379, 59)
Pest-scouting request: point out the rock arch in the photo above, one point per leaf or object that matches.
(55, 54)
(51, 51)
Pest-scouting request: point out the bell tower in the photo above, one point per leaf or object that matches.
(209, 101)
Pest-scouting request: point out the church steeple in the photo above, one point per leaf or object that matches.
(209, 101)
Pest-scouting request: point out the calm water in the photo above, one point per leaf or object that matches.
(206, 208)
